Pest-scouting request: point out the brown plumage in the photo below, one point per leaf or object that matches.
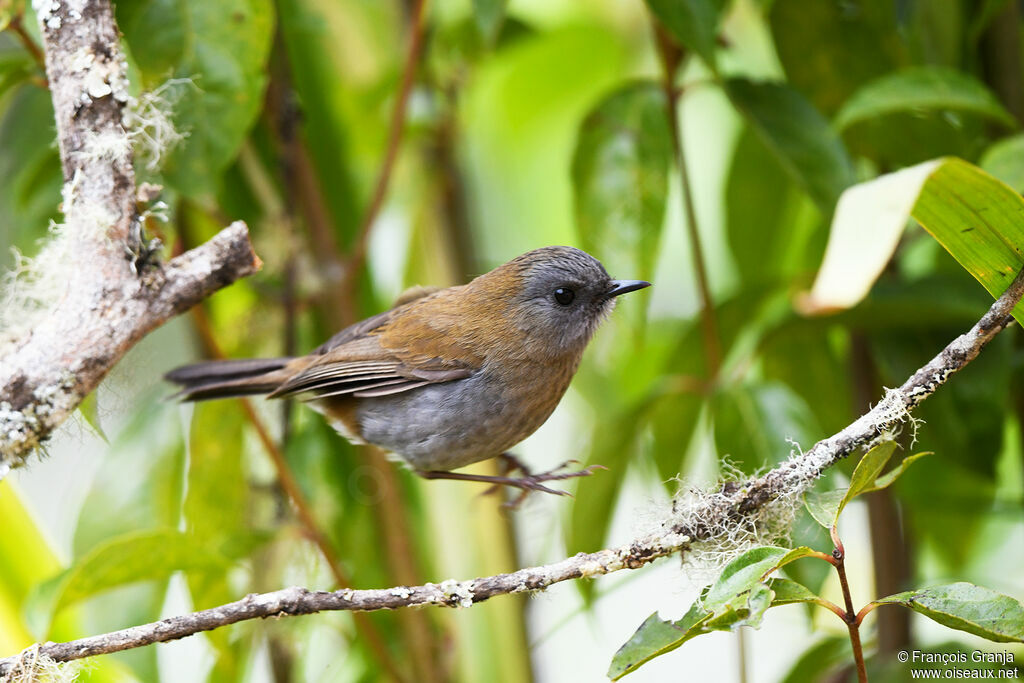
(446, 377)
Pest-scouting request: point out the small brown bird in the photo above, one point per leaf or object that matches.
(447, 377)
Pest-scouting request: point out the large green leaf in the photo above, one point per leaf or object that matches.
(222, 48)
(747, 570)
(921, 89)
(775, 233)
(657, 636)
(966, 607)
(807, 147)
(620, 177)
(694, 23)
(829, 49)
(125, 559)
(974, 216)
(978, 220)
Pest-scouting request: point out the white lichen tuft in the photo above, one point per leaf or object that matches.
(703, 507)
(106, 145)
(46, 12)
(148, 119)
(20, 429)
(34, 667)
(33, 285)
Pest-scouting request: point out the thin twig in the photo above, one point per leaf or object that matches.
(671, 57)
(340, 309)
(27, 42)
(849, 617)
(734, 502)
(303, 510)
(412, 58)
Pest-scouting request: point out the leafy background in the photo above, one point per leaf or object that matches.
(529, 123)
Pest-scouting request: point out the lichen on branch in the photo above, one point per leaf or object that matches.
(94, 290)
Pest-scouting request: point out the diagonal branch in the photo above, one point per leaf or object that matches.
(109, 293)
(412, 58)
(735, 502)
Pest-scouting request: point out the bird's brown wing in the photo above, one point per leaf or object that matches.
(364, 327)
(372, 358)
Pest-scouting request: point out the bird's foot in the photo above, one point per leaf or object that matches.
(526, 483)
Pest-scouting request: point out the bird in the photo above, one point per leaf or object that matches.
(446, 377)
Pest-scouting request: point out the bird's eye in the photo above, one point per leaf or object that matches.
(564, 295)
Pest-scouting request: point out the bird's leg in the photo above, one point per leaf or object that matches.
(528, 482)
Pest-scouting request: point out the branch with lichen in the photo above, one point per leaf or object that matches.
(96, 289)
(704, 518)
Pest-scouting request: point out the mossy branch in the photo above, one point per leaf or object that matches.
(109, 292)
(713, 516)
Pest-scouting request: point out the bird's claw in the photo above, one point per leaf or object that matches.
(532, 482)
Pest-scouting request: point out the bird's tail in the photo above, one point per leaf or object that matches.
(227, 378)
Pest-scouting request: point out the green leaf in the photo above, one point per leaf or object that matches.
(1005, 160)
(747, 570)
(216, 492)
(656, 636)
(90, 411)
(222, 48)
(966, 607)
(921, 89)
(870, 466)
(694, 23)
(807, 147)
(490, 15)
(887, 479)
(975, 217)
(829, 49)
(620, 177)
(775, 232)
(824, 506)
(820, 659)
(138, 556)
(789, 592)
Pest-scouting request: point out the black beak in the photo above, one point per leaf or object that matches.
(624, 286)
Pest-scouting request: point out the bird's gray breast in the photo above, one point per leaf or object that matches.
(445, 426)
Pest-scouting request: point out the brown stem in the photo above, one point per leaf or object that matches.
(824, 556)
(341, 308)
(299, 177)
(671, 57)
(403, 567)
(849, 616)
(832, 607)
(30, 45)
(866, 610)
(890, 549)
(358, 252)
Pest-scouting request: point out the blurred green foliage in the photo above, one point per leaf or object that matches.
(528, 124)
